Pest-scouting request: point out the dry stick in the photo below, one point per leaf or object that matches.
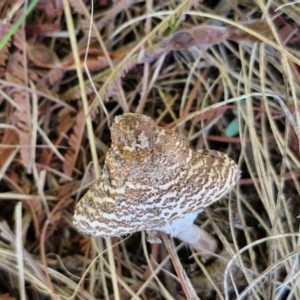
(185, 282)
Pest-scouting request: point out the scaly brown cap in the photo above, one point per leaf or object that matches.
(150, 178)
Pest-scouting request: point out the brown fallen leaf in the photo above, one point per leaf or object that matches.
(43, 56)
(41, 29)
(259, 26)
(6, 296)
(74, 143)
(209, 35)
(8, 144)
(96, 59)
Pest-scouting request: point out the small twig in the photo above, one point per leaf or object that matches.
(185, 281)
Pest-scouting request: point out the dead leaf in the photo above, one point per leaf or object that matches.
(10, 138)
(6, 296)
(41, 29)
(22, 120)
(43, 56)
(259, 26)
(74, 142)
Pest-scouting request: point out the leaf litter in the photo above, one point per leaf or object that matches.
(50, 150)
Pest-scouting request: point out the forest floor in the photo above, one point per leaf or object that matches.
(225, 75)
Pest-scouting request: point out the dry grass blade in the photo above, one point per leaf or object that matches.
(22, 120)
(19, 250)
(127, 61)
(91, 136)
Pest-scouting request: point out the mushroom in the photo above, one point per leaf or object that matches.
(153, 181)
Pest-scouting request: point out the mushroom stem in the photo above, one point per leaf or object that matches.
(199, 239)
(188, 232)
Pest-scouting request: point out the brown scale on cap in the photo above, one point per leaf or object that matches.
(152, 181)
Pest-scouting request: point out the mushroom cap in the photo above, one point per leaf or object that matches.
(151, 178)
